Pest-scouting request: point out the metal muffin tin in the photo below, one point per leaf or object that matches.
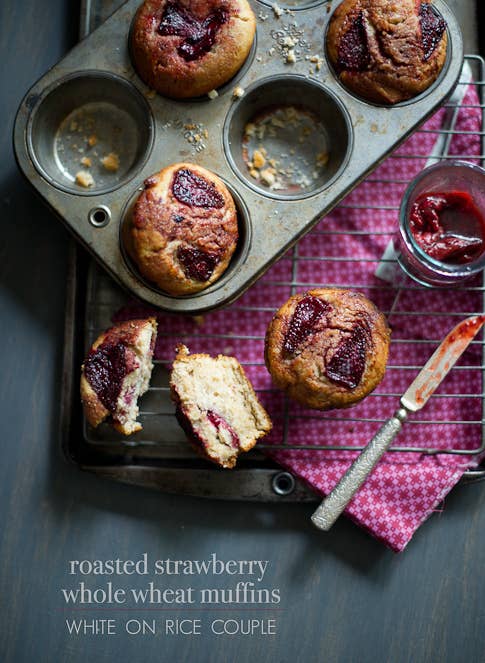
(96, 79)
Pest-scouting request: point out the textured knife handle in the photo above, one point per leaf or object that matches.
(333, 505)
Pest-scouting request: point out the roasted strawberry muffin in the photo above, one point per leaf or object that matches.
(216, 406)
(387, 51)
(186, 48)
(117, 372)
(184, 229)
(327, 348)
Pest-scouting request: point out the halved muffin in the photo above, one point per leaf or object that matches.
(117, 372)
(216, 406)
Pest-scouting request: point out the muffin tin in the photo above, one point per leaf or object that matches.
(95, 91)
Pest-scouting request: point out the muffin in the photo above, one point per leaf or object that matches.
(184, 229)
(117, 372)
(386, 51)
(186, 48)
(216, 406)
(327, 348)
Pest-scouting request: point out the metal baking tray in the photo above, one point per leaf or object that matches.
(97, 80)
(92, 298)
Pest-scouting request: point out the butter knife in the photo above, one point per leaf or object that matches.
(416, 396)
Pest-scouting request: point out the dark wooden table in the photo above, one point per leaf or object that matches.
(344, 596)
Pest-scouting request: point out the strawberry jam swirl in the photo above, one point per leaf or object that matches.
(191, 189)
(353, 48)
(105, 370)
(346, 365)
(198, 35)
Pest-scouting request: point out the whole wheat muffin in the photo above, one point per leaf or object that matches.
(184, 229)
(327, 348)
(186, 48)
(387, 51)
(216, 406)
(117, 372)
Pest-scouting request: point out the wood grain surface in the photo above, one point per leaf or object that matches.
(345, 598)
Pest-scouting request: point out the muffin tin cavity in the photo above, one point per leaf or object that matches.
(412, 100)
(331, 139)
(90, 133)
(292, 5)
(288, 138)
(185, 73)
(238, 258)
(222, 89)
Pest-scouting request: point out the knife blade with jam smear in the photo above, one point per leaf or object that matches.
(416, 396)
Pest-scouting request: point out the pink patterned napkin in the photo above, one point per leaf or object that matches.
(406, 487)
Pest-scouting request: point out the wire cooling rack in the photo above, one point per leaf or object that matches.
(453, 421)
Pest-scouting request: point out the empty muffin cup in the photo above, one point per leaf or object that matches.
(238, 258)
(441, 236)
(292, 5)
(90, 133)
(288, 137)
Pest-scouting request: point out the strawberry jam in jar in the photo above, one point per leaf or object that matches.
(441, 238)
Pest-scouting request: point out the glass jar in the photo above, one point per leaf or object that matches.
(445, 178)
